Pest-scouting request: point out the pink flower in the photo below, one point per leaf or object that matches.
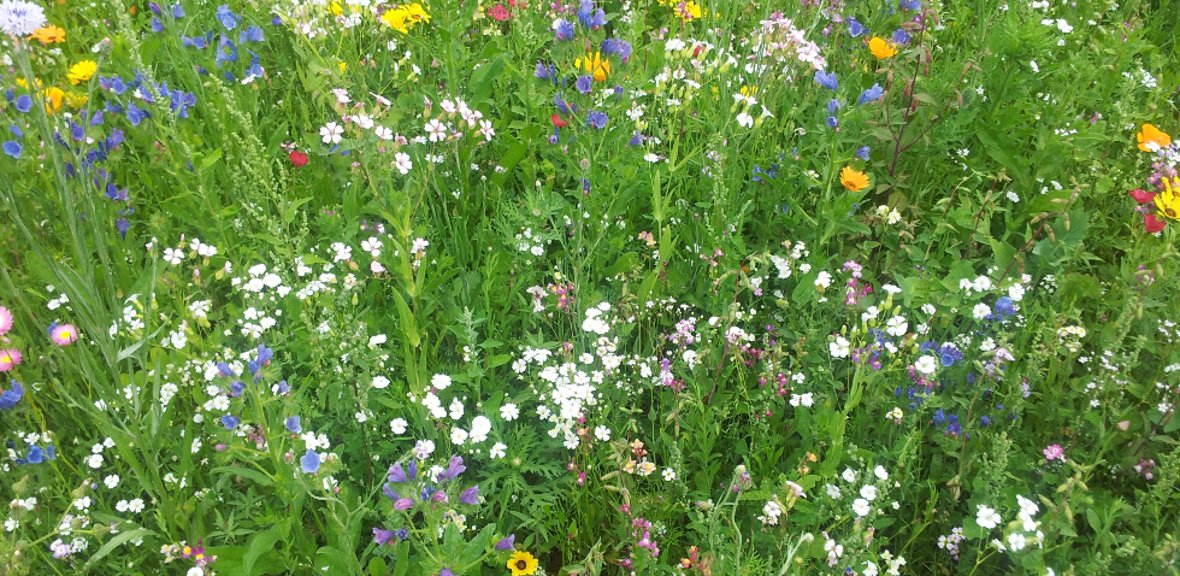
(5, 320)
(1054, 452)
(9, 359)
(63, 334)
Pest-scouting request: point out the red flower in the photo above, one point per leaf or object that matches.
(1153, 223)
(558, 122)
(498, 13)
(298, 159)
(1142, 196)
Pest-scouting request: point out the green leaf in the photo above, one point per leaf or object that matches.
(250, 473)
(262, 543)
(409, 324)
(117, 541)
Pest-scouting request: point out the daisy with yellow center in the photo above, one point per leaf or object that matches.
(522, 564)
(853, 180)
(49, 35)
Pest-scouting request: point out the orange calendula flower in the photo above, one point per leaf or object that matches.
(595, 64)
(854, 180)
(53, 97)
(49, 35)
(882, 48)
(1152, 139)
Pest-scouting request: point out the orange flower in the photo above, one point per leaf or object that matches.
(1151, 138)
(49, 35)
(882, 48)
(53, 97)
(854, 180)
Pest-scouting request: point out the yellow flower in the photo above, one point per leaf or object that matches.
(1151, 138)
(689, 10)
(418, 13)
(335, 8)
(343, 66)
(853, 179)
(49, 35)
(404, 17)
(1168, 201)
(882, 48)
(522, 564)
(595, 64)
(82, 72)
(76, 100)
(53, 96)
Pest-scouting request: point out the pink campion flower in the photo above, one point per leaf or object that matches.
(63, 334)
(5, 320)
(9, 359)
(1054, 452)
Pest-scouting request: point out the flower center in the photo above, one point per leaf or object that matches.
(521, 564)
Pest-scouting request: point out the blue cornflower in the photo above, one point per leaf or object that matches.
(13, 148)
(294, 424)
(36, 455)
(901, 37)
(228, 19)
(872, 94)
(251, 34)
(596, 120)
(855, 28)
(310, 462)
(826, 79)
(863, 153)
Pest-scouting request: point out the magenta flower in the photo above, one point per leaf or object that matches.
(403, 504)
(9, 359)
(1054, 452)
(63, 334)
(5, 320)
(470, 496)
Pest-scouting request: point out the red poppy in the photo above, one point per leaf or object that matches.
(558, 122)
(298, 159)
(1142, 196)
(1153, 223)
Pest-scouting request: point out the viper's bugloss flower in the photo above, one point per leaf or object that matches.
(596, 119)
(310, 462)
(827, 80)
(10, 397)
(872, 94)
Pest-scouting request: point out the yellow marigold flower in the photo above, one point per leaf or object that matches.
(1168, 201)
(853, 179)
(1151, 138)
(522, 564)
(405, 16)
(595, 64)
(49, 35)
(882, 48)
(76, 100)
(82, 72)
(418, 13)
(53, 97)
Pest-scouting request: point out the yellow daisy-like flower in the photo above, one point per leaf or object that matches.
(1152, 139)
(82, 72)
(882, 48)
(595, 64)
(49, 35)
(405, 16)
(522, 563)
(854, 180)
(1168, 201)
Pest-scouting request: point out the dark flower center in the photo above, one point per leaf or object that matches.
(521, 564)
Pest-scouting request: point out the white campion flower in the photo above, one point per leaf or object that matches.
(380, 382)
(498, 450)
(480, 427)
(896, 326)
(981, 311)
(868, 492)
(861, 507)
(840, 347)
(436, 130)
(602, 433)
(509, 412)
(398, 426)
(805, 400)
(987, 517)
(745, 120)
(926, 365)
(331, 133)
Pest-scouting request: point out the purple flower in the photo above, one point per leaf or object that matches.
(544, 71)
(901, 37)
(230, 421)
(36, 455)
(833, 123)
(826, 79)
(440, 497)
(251, 34)
(584, 84)
(563, 29)
(863, 153)
(871, 95)
(636, 139)
(833, 106)
(24, 103)
(13, 148)
(470, 496)
(914, 5)
(589, 16)
(596, 120)
(622, 48)
(389, 493)
(446, 572)
(310, 462)
(403, 504)
(382, 537)
(294, 424)
(227, 17)
(506, 544)
(397, 474)
(855, 29)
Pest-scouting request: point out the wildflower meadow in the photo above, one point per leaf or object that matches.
(589, 287)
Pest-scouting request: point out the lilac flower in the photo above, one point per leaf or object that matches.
(310, 462)
(403, 504)
(389, 493)
(230, 421)
(382, 537)
(872, 94)
(507, 543)
(826, 79)
(596, 120)
(636, 139)
(294, 424)
(13, 148)
(446, 572)
(855, 29)
(470, 496)
(833, 122)
(584, 84)
(563, 29)
(454, 469)
(397, 475)
(228, 19)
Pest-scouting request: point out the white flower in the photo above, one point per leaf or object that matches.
(870, 569)
(331, 133)
(383, 132)
(833, 491)
(94, 461)
(1016, 541)
(111, 481)
(823, 280)
(669, 474)
(868, 492)
(380, 382)
(456, 409)
(440, 381)
(861, 507)
(804, 400)
(839, 348)
(849, 475)
(745, 120)
(981, 311)
(880, 473)
(398, 426)
(173, 256)
(195, 571)
(19, 18)
(509, 412)
(458, 436)
(135, 506)
(498, 450)
(402, 162)
(437, 130)
(896, 326)
(423, 449)
(926, 365)
(602, 433)
(480, 427)
(1016, 292)
(987, 518)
